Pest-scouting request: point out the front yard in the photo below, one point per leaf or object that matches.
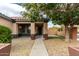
(55, 47)
(58, 47)
(21, 46)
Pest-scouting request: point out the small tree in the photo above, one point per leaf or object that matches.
(66, 14)
(31, 12)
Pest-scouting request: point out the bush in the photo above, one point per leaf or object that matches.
(5, 34)
(56, 37)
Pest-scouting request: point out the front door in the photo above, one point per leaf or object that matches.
(23, 30)
(39, 29)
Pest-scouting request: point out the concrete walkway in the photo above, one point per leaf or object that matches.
(38, 48)
(78, 37)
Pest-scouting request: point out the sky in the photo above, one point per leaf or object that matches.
(10, 9)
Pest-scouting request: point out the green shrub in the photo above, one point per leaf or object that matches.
(5, 34)
(56, 37)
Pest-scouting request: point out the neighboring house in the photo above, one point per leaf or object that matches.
(24, 27)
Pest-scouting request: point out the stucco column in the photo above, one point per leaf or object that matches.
(33, 31)
(45, 31)
(74, 33)
(15, 30)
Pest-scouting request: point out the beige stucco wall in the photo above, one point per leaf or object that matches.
(6, 23)
(45, 28)
(32, 28)
(15, 28)
(55, 32)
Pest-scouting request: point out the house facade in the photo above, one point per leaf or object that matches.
(24, 27)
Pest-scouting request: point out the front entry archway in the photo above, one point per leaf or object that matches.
(39, 29)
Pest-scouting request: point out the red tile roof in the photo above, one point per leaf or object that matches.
(20, 19)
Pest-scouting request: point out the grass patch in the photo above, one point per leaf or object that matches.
(56, 37)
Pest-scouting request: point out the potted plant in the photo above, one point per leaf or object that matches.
(5, 41)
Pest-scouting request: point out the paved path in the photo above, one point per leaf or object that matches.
(78, 36)
(38, 48)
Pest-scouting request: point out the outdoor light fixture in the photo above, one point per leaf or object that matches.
(44, 17)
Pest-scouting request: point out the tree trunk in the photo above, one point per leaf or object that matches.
(71, 28)
(67, 34)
